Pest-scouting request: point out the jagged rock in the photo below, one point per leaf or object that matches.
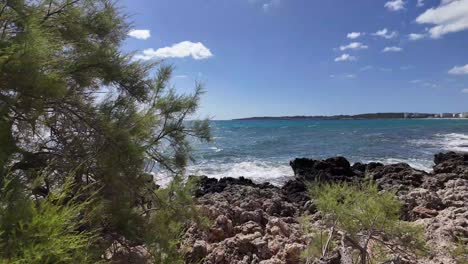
(258, 223)
(210, 185)
(336, 168)
(451, 162)
(293, 252)
(296, 191)
(424, 212)
(399, 177)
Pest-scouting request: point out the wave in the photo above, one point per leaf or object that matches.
(258, 171)
(419, 164)
(216, 149)
(450, 142)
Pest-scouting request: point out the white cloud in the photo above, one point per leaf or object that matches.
(350, 76)
(392, 49)
(416, 36)
(183, 49)
(354, 35)
(395, 5)
(271, 4)
(444, 2)
(182, 76)
(450, 16)
(416, 81)
(465, 90)
(385, 33)
(420, 3)
(354, 45)
(345, 57)
(459, 70)
(139, 33)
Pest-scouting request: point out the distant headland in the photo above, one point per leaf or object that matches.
(362, 116)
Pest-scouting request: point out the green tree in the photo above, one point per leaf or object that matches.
(72, 103)
(361, 217)
(45, 230)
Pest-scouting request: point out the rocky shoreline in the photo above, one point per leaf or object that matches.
(259, 223)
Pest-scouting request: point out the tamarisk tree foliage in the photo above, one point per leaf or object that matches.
(72, 103)
(363, 225)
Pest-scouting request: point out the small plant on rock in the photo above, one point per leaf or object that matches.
(365, 223)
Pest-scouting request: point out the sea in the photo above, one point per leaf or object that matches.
(261, 150)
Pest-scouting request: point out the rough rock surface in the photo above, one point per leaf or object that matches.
(252, 224)
(259, 223)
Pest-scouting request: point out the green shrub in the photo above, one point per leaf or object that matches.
(366, 220)
(174, 211)
(45, 230)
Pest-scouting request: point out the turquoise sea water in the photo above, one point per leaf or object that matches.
(261, 150)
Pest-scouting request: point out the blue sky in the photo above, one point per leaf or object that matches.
(297, 57)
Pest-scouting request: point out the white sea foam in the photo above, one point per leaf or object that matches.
(216, 149)
(419, 164)
(257, 171)
(449, 142)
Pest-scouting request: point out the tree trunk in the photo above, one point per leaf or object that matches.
(346, 253)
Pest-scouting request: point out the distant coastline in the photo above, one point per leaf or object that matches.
(362, 116)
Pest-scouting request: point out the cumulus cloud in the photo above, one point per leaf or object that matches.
(395, 5)
(465, 90)
(345, 57)
(385, 33)
(416, 36)
(392, 49)
(354, 35)
(420, 3)
(139, 33)
(183, 49)
(450, 16)
(354, 46)
(459, 70)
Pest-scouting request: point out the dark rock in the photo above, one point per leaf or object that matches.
(336, 168)
(451, 162)
(207, 185)
(450, 157)
(296, 191)
(400, 177)
(371, 166)
(359, 168)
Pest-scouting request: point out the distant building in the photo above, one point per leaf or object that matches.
(464, 115)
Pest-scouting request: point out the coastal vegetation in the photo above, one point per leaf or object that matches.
(82, 125)
(363, 219)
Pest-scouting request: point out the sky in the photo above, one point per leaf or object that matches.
(308, 57)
